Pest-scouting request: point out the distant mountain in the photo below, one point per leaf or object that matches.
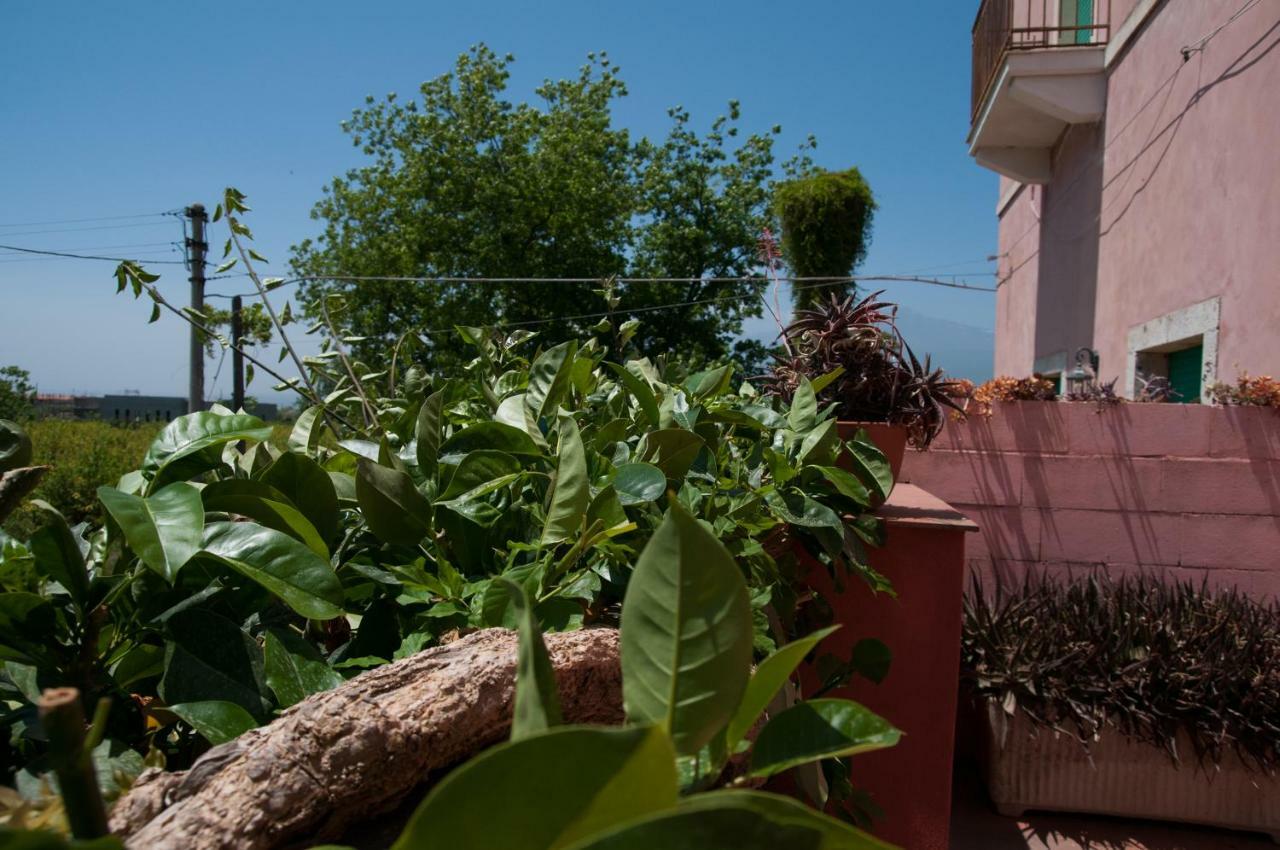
(964, 351)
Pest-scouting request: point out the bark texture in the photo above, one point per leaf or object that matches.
(353, 753)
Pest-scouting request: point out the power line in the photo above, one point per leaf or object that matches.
(83, 229)
(83, 220)
(1200, 44)
(81, 256)
(116, 247)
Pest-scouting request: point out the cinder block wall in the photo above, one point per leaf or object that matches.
(1183, 491)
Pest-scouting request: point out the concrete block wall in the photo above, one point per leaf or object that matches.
(1184, 491)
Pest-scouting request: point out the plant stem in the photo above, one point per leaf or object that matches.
(63, 721)
(366, 408)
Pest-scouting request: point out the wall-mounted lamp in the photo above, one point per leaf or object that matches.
(1086, 370)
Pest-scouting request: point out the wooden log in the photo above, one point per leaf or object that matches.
(353, 753)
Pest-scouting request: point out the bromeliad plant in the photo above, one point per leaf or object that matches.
(693, 706)
(855, 352)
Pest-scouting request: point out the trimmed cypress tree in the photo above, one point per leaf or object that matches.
(826, 228)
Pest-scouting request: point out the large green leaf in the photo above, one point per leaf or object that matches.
(307, 431)
(57, 553)
(180, 450)
(267, 506)
(549, 379)
(798, 508)
(736, 820)
(211, 658)
(711, 383)
(803, 414)
(301, 578)
(489, 435)
(571, 491)
(163, 530)
(537, 703)
(672, 450)
(767, 680)
(295, 669)
(427, 430)
(845, 483)
(638, 483)
(216, 720)
(819, 729)
(392, 507)
(15, 446)
(640, 391)
(870, 464)
(309, 488)
(686, 633)
(27, 627)
(547, 791)
(479, 468)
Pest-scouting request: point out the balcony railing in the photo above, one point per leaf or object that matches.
(1006, 25)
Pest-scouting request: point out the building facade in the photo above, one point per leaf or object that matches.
(1138, 148)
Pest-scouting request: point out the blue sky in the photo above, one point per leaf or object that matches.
(113, 109)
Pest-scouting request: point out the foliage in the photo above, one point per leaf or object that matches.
(255, 326)
(1004, 388)
(826, 228)
(1142, 656)
(868, 371)
(1101, 393)
(1262, 391)
(17, 394)
(647, 784)
(464, 183)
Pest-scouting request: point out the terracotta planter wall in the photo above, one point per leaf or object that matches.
(1185, 491)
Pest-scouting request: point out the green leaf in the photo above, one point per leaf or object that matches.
(768, 679)
(571, 491)
(549, 379)
(427, 429)
(641, 392)
(709, 384)
(804, 408)
(302, 579)
(15, 446)
(308, 488)
(845, 483)
(798, 508)
(392, 507)
(870, 464)
(871, 659)
(819, 729)
(181, 449)
(216, 720)
(820, 383)
(547, 791)
(480, 468)
(211, 658)
(162, 530)
(307, 431)
(295, 669)
(57, 553)
(267, 506)
(489, 435)
(27, 623)
(686, 633)
(673, 450)
(537, 703)
(638, 483)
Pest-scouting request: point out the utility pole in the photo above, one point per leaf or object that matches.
(237, 356)
(196, 248)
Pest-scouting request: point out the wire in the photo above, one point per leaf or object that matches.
(1201, 44)
(81, 256)
(83, 229)
(116, 247)
(83, 220)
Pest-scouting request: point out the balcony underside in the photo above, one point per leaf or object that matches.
(1035, 95)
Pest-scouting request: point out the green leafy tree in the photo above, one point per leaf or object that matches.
(17, 394)
(826, 228)
(466, 183)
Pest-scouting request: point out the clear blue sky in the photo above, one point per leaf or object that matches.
(139, 107)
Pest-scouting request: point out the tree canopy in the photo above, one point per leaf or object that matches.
(826, 228)
(462, 182)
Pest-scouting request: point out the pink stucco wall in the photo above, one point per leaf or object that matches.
(1185, 491)
(1170, 201)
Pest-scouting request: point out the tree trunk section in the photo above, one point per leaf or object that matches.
(353, 753)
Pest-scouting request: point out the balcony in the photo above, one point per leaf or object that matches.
(1038, 66)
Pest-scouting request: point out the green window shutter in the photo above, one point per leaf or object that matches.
(1184, 373)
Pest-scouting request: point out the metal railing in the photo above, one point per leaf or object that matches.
(1006, 25)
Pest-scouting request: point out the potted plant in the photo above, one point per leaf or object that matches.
(1133, 698)
(856, 358)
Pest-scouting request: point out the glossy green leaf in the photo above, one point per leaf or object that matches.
(27, 622)
(638, 483)
(295, 669)
(798, 508)
(208, 657)
(309, 488)
(163, 530)
(673, 450)
(870, 464)
(392, 507)
(768, 679)
(547, 791)
(216, 720)
(57, 552)
(489, 435)
(711, 383)
(571, 491)
(480, 468)
(537, 701)
(307, 431)
(845, 483)
(686, 633)
(267, 506)
(303, 580)
(640, 391)
(180, 450)
(821, 382)
(427, 431)
(819, 729)
(512, 411)
(804, 408)
(549, 379)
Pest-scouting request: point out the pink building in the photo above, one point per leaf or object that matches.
(1138, 143)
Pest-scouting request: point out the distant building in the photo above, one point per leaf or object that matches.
(120, 409)
(57, 406)
(1138, 143)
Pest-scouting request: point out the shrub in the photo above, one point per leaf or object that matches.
(826, 227)
(1138, 655)
(17, 395)
(1263, 391)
